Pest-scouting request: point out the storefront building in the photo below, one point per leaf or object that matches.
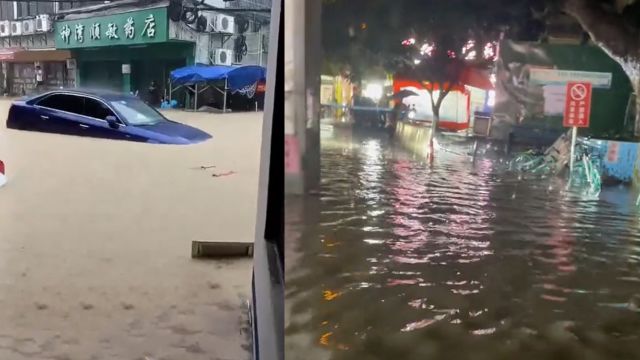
(26, 45)
(124, 51)
(19, 67)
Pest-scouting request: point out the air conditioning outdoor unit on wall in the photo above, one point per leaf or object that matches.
(5, 28)
(225, 24)
(211, 21)
(28, 26)
(223, 57)
(16, 28)
(43, 23)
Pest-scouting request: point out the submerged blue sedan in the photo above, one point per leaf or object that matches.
(100, 114)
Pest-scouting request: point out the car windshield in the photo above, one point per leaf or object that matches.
(136, 112)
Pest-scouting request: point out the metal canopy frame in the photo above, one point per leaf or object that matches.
(195, 90)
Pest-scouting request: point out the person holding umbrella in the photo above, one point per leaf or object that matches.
(398, 109)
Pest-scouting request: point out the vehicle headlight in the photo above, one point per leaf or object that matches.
(412, 114)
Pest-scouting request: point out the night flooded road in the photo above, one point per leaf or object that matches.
(398, 260)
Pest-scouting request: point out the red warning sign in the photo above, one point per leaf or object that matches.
(577, 106)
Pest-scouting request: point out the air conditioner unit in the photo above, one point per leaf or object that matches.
(5, 28)
(16, 28)
(225, 24)
(223, 57)
(211, 21)
(43, 23)
(28, 26)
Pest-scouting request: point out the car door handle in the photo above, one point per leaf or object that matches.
(84, 126)
(44, 117)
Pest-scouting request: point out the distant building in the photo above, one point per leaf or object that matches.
(251, 41)
(26, 45)
(129, 44)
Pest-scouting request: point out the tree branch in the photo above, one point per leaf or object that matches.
(606, 28)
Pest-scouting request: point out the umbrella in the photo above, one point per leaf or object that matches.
(403, 94)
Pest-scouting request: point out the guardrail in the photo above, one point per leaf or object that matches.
(355, 107)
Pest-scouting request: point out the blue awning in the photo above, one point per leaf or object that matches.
(237, 77)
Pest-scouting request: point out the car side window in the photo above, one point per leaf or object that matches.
(96, 109)
(63, 102)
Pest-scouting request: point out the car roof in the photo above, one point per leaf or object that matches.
(104, 94)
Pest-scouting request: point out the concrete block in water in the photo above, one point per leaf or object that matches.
(213, 249)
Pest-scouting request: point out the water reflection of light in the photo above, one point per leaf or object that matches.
(463, 224)
(423, 323)
(329, 295)
(441, 220)
(487, 331)
(559, 252)
(372, 150)
(324, 338)
(370, 174)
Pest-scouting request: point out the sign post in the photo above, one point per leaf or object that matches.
(577, 109)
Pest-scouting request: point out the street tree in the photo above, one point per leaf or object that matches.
(430, 41)
(613, 25)
(439, 64)
(379, 26)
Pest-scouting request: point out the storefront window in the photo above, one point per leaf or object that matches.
(53, 70)
(24, 70)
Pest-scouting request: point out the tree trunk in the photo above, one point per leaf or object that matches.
(632, 69)
(609, 32)
(435, 109)
(436, 120)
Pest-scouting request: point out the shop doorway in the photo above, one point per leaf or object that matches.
(143, 72)
(101, 75)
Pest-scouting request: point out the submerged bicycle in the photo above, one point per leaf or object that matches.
(586, 170)
(530, 161)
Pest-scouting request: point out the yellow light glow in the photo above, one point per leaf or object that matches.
(324, 339)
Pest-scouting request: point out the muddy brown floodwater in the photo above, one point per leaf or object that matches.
(395, 259)
(95, 241)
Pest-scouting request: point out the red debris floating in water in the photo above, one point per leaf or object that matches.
(3, 178)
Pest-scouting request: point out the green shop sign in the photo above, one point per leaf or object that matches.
(131, 28)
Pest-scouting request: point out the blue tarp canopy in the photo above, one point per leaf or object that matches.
(237, 76)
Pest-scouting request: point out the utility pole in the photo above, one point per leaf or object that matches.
(303, 63)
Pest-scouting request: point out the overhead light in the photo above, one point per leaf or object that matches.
(410, 41)
(373, 91)
(491, 99)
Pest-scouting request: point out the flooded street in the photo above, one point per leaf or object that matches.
(95, 243)
(395, 259)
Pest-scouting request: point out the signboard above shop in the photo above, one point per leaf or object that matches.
(598, 80)
(130, 28)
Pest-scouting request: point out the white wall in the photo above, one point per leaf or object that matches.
(216, 3)
(453, 108)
